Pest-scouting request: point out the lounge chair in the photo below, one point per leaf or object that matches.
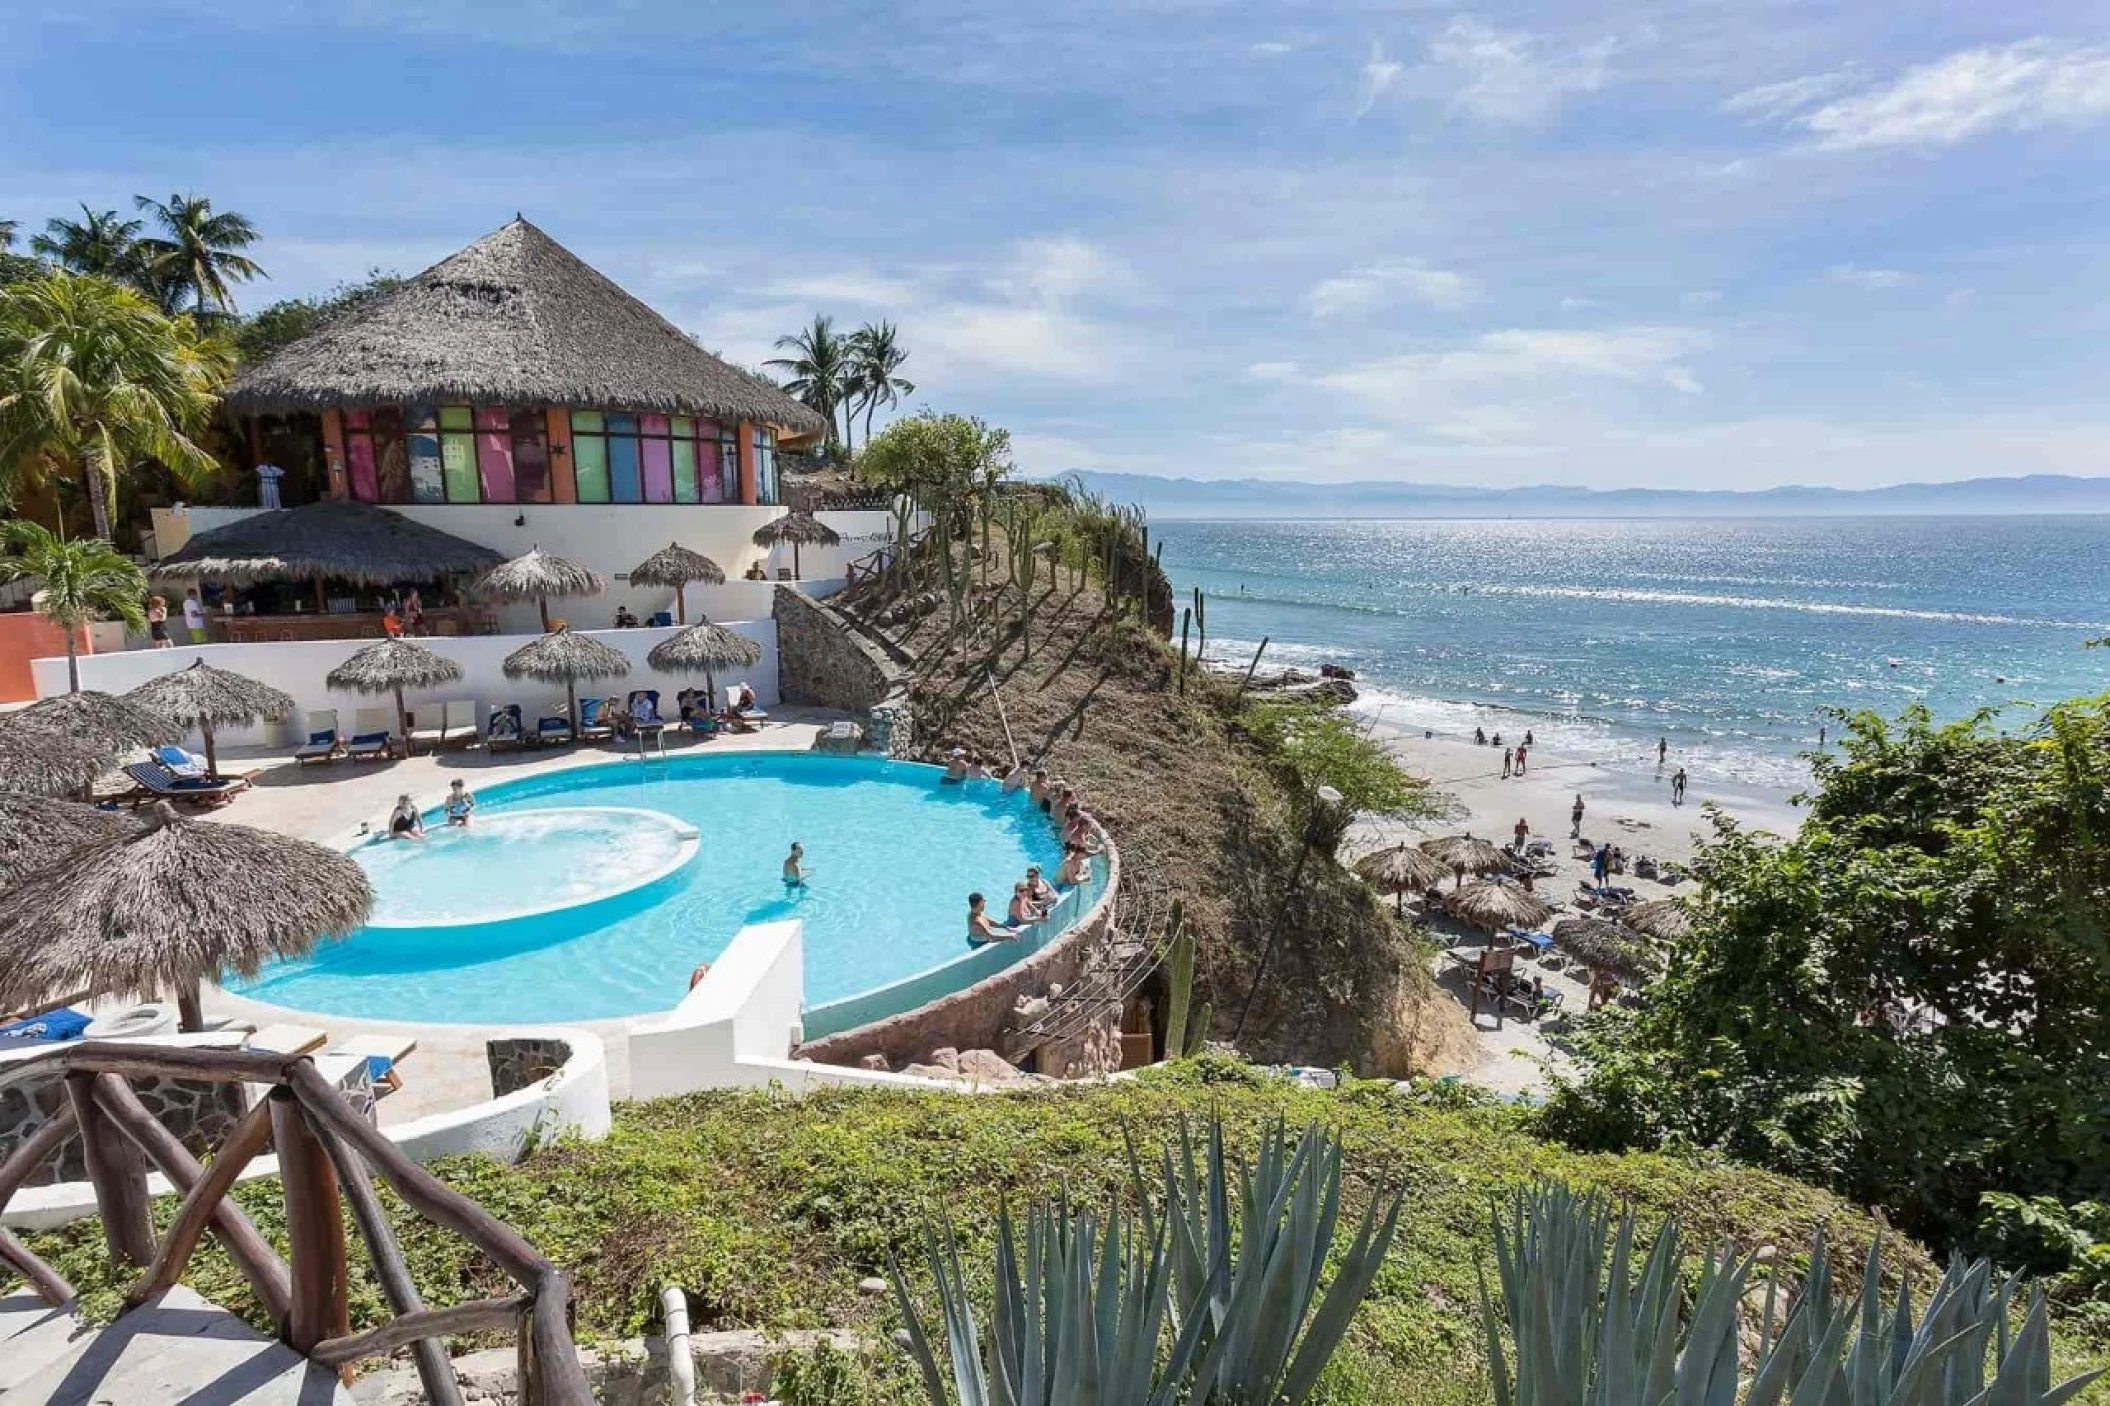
(591, 726)
(323, 744)
(644, 711)
(287, 1039)
(154, 782)
(380, 1053)
(45, 1028)
(503, 728)
(457, 723)
(187, 765)
(371, 736)
(553, 730)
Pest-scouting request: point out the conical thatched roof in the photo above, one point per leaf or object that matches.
(514, 319)
(537, 575)
(99, 721)
(704, 646)
(37, 832)
(387, 665)
(1402, 869)
(179, 902)
(1606, 947)
(211, 696)
(1467, 854)
(798, 526)
(1659, 917)
(40, 764)
(344, 541)
(676, 566)
(563, 657)
(1495, 906)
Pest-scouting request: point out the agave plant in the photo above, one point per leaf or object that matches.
(1580, 1329)
(1080, 1319)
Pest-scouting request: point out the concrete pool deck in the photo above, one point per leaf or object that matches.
(327, 803)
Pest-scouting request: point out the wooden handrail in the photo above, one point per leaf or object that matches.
(324, 1151)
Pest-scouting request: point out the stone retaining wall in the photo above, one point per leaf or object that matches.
(197, 1111)
(821, 661)
(517, 1062)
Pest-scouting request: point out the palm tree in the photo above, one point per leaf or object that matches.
(84, 580)
(7, 233)
(93, 379)
(98, 243)
(876, 356)
(202, 253)
(820, 372)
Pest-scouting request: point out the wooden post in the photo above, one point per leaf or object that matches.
(118, 1174)
(314, 1229)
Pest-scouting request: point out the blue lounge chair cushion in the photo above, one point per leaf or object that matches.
(326, 738)
(48, 1028)
(549, 725)
(154, 777)
(371, 739)
(179, 762)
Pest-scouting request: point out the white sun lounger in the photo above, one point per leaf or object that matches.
(457, 723)
(288, 1039)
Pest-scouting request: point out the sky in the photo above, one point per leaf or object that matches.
(1719, 243)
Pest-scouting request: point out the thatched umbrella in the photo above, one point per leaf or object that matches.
(45, 764)
(1467, 855)
(1659, 917)
(205, 698)
(563, 657)
(704, 647)
(1610, 948)
(800, 528)
(1400, 870)
(330, 540)
(675, 566)
(176, 904)
(537, 575)
(1496, 906)
(37, 832)
(390, 666)
(101, 721)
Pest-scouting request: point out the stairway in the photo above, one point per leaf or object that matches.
(176, 1348)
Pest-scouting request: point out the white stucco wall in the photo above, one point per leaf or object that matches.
(299, 668)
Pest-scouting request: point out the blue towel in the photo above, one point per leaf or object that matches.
(48, 1028)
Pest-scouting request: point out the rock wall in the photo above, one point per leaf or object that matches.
(823, 662)
(199, 1113)
(517, 1062)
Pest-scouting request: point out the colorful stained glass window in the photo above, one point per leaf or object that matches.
(531, 480)
(657, 460)
(359, 455)
(494, 454)
(428, 483)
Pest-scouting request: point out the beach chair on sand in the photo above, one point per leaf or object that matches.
(323, 744)
(503, 729)
(592, 726)
(372, 738)
(154, 782)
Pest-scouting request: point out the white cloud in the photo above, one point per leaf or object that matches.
(1575, 304)
(1379, 74)
(1506, 78)
(1775, 101)
(858, 290)
(1857, 277)
(1367, 289)
(1060, 269)
(1273, 46)
(1701, 297)
(1997, 88)
(1272, 371)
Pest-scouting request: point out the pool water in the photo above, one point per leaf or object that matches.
(512, 863)
(892, 854)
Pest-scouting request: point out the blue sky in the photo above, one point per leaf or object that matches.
(1726, 244)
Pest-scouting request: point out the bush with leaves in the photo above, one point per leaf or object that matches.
(1315, 746)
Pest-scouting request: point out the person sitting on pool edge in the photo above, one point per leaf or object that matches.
(459, 803)
(795, 867)
(404, 822)
(1078, 828)
(1076, 866)
(1042, 791)
(1024, 911)
(1019, 777)
(955, 768)
(1039, 889)
(983, 929)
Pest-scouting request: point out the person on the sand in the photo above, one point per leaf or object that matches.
(1575, 817)
(1523, 833)
(1509, 759)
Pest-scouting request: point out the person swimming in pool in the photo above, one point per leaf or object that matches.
(795, 867)
(955, 768)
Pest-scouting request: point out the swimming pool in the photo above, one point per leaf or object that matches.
(616, 932)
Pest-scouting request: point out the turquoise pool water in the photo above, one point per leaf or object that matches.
(893, 856)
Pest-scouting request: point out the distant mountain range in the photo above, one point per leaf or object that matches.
(1264, 498)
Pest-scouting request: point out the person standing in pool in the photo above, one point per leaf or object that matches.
(983, 929)
(459, 803)
(795, 867)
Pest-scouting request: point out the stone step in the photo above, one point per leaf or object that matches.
(175, 1348)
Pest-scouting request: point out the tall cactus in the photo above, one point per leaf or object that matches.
(1179, 980)
(1201, 624)
(1186, 621)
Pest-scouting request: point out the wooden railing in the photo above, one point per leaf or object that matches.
(325, 1148)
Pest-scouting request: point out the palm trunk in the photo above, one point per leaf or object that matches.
(212, 759)
(796, 574)
(98, 504)
(870, 406)
(73, 662)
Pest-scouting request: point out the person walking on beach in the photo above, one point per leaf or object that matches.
(1662, 750)
(1523, 752)
(1523, 833)
(1508, 761)
(1677, 788)
(1575, 818)
(1601, 863)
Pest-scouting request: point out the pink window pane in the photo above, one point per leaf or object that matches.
(707, 468)
(494, 454)
(359, 453)
(658, 459)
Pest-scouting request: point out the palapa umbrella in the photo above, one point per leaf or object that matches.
(176, 904)
(46, 764)
(1496, 906)
(537, 575)
(390, 666)
(1467, 855)
(563, 657)
(205, 697)
(37, 832)
(1610, 948)
(110, 725)
(1659, 917)
(1400, 870)
(704, 646)
(800, 528)
(675, 566)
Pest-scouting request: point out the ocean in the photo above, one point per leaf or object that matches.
(1725, 637)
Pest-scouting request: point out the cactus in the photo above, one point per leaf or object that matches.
(1179, 979)
(1201, 624)
(1186, 620)
(1198, 1030)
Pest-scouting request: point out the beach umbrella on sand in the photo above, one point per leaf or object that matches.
(42, 764)
(176, 904)
(1659, 917)
(537, 575)
(1495, 906)
(1467, 855)
(1400, 870)
(563, 657)
(674, 567)
(704, 647)
(800, 528)
(390, 666)
(37, 832)
(205, 698)
(1610, 948)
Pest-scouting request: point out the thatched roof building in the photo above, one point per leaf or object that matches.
(325, 541)
(515, 319)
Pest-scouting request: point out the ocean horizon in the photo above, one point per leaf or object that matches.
(1726, 637)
